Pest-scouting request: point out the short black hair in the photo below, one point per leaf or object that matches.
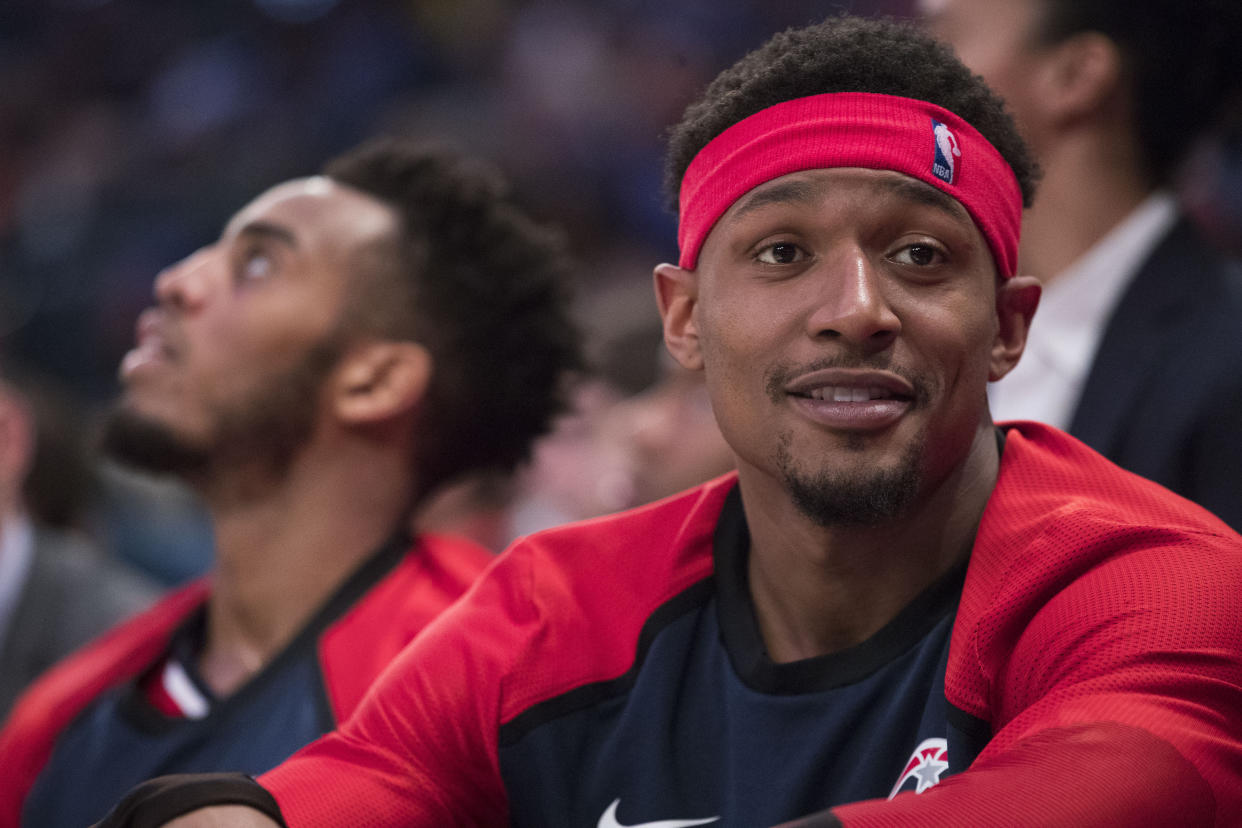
(485, 288)
(846, 54)
(1182, 59)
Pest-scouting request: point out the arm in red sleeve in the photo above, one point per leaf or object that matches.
(1119, 701)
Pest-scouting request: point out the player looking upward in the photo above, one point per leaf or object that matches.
(352, 341)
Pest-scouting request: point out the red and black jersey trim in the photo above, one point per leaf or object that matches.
(977, 732)
(590, 695)
(740, 631)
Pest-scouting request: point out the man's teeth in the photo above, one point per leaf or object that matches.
(840, 393)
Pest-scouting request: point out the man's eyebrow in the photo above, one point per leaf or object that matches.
(783, 193)
(266, 229)
(920, 192)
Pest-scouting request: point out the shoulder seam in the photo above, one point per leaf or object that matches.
(592, 693)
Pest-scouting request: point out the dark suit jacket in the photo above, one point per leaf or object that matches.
(72, 594)
(1164, 395)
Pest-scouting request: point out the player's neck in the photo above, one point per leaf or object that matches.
(818, 590)
(1089, 186)
(281, 555)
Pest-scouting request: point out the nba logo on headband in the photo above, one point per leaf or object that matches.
(943, 166)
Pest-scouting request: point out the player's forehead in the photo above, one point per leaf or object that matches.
(302, 194)
(313, 208)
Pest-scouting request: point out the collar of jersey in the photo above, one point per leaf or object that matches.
(742, 639)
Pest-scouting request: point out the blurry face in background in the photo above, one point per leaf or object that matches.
(614, 452)
(229, 365)
(570, 474)
(665, 439)
(998, 40)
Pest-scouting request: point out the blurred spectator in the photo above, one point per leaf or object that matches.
(56, 590)
(612, 451)
(665, 439)
(478, 508)
(572, 474)
(642, 429)
(1135, 348)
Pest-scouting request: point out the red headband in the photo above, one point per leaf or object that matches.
(854, 129)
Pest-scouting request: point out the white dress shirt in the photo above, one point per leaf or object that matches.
(1072, 314)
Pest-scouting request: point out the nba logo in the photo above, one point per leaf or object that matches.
(943, 166)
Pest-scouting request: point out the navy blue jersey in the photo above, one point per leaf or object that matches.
(850, 721)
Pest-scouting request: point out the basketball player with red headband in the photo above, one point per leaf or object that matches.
(895, 613)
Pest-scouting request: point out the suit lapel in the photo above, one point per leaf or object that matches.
(1139, 330)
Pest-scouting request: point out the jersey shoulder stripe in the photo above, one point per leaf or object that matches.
(656, 559)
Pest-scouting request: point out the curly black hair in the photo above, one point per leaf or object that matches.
(1181, 58)
(485, 288)
(846, 54)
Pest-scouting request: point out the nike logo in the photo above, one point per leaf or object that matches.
(609, 820)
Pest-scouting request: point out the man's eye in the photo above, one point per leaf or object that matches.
(780, 253)
(919, 255)
(256, 265)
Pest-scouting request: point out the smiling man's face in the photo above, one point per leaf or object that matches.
(846, 320)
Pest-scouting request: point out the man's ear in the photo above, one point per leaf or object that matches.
(380, 379)
(1016, 300)
(677, 293)
(1080, 77)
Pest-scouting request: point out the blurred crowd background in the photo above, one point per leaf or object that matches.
(130, 130)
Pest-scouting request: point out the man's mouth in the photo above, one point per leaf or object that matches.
(846, 393)
(151, 343)
(850, 385)
(852, 399)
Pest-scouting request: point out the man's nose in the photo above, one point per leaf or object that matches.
(186, 284)
(851, 303)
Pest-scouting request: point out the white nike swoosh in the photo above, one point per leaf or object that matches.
(609, 820)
